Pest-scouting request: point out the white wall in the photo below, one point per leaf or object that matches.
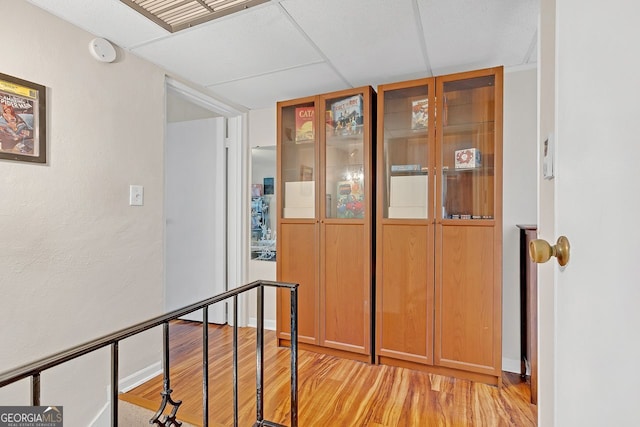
(546, 215)
(77, 261)
(195, 217)
(262, 127)
(519, 194)
(519, 197)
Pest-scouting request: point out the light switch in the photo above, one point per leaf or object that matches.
(136, 195)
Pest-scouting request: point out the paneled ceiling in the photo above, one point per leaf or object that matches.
(283, 49)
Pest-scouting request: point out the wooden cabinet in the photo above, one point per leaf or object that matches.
(439, 224)
(528, 310)
(325, 224)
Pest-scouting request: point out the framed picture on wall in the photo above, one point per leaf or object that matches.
(268, 185)
(23, 120)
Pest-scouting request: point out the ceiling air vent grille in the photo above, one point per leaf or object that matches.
(176, 15)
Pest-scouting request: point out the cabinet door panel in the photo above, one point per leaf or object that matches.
(346, 288)
(405, 293)
(466, 300)
(296, 263)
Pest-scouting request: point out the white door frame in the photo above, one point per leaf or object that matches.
(236, 144)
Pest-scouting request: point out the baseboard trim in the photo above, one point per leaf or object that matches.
(269, 324)
(103, 418)
(140, 377)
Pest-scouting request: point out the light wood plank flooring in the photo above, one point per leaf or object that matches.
(332, 391)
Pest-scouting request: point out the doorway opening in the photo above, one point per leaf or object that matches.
(204, 142)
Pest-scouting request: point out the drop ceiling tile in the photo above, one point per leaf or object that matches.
(467, 34)
(250, 43)
(111, 19)
(363, 39)
(265, 90)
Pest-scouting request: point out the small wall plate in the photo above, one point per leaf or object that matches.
(102, 50)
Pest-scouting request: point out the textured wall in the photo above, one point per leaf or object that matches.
(77, 261)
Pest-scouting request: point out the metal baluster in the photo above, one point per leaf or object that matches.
(114, 384)
(35, 389)
(260, 356)
(235, 361)
(294, 357)
(205, 366)
(169, 420)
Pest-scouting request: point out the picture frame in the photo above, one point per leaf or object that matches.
(23, 120)
(268, 186)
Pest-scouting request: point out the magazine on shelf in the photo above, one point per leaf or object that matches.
(350, 199)
(305, 129)
(419, 114)
(347, 116)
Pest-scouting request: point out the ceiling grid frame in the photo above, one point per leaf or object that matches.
(286, 49)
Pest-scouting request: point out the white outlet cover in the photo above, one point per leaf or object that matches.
(136, 195)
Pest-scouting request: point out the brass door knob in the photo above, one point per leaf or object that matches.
(540, 250)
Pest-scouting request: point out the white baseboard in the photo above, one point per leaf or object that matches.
(269, 324)
(140, 377)
(103, 419)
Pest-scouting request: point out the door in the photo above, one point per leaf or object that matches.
(195, 215)
(595, 297)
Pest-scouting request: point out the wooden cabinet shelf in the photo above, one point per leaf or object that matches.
(437, 244)
(438, 236)
(325, 221)
(402, 133)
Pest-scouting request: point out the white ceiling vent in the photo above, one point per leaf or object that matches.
(176, 15)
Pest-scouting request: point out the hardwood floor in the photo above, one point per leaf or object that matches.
(332, 391)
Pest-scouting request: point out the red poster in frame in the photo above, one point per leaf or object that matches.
(23, 120)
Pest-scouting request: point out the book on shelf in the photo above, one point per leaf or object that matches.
(350, 199)
(347, 116)
(409, 169)
(420, 114)
(468, 158)
(405, 168)
(305, 128)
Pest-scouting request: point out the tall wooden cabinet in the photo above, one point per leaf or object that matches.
(325, 222)
(439, 225)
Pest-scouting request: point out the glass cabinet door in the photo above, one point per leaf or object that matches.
(468, 148)
(406, 160)
(344, 158)
(298, 160)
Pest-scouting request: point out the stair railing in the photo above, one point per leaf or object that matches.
(34, 369)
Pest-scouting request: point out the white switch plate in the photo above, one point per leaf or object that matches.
(136, 195)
